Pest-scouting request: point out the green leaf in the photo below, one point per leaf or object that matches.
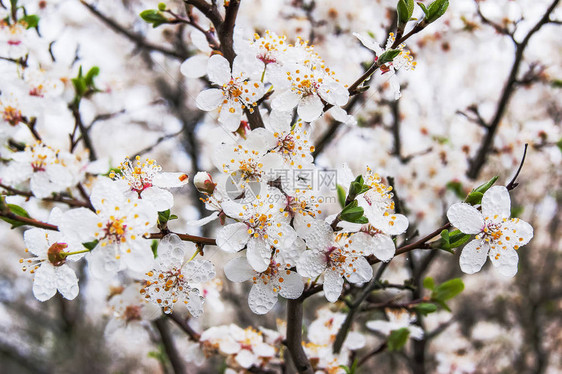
(154, 247)
(388, 56)
(447, 290)
(30, 20)
(161, 7)
(18, 211)
(474, 198)
(486, 186)
(341, 195)
(559, 144)
(90, 245)
(172, 217)
(154, 17)
(429, 283)
(398, 339)
(556, 83)
(423, 8)
(458, 238)
(436, 9)
(445, 236)
(163, 216)
(425, 308)
(79, 86)
(404, 9)
(92, 73)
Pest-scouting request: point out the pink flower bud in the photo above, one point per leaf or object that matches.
(204, 182)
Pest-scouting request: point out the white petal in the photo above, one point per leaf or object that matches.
(473, 256)
(416, 332)
(311, 264)
(36, 241)
(79, 223)
(281, 235)
(292, 285)
(218, 70)
(102, 262)
(195, 67)
(209, 99)
(203, 221)
(505, 260)
(262, 298)
(159, 198)
(231, 115)
(233, 237)
(318, 235)
(396, 224)
(195, 303)
(465, 218)
(383, 247)
(333, 285)
(379, 325)
(67, 282)
(496, 201)
(258, 254)
(310, 108)
(140, 258)
(363, 273)
(285, 101)
(245, 358)
(361, 243)
(369, 42)
(238, 270)
(199, 271)
(44, 284)
(170, 180)
(200, 41)
(520, 232)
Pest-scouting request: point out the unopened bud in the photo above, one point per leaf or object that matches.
(204, 182)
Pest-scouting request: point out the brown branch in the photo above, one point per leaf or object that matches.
(75, 108)
(185, 237)
(183, 324)
(28, 221)
(56, 198)
(479, 160)
(169, 346)
(371, 354)
(294, 336)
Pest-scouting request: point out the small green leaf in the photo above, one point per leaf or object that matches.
(398, 339)
(447, 290)
(445, 236)
(486, 186)
(164, 216)
(402, 12)
(425, 308)
(429, 283)
(559, 144)
(436, 9)
(154, 17)
(388, 56)
(556, 83)
(79, 86)
(423, 8)
(161, 7)
(172, 217)
(30, 20)
(92, 73)
(458, 238)
(341, 195)
(17, 210)
(90, 245)
(154, 247)
(474, 198)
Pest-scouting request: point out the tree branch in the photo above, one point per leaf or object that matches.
(294, 336)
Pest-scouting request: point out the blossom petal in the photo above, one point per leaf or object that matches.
(504, 260)
(218, 70)
(199, 271)
(230, 116)
(311, 264)
(238, 270)
(36, 241)
(496, 202)
(170, 180)
(140, 258)
(258, 254)
(44, 284)
(291, 285)
(285, 101)
(262, 298)
(79, 223)
(465, 218)
(383, 247)
(209, 99)
(233, 237)
(363, 271)
(246, 358)
(195, 67)
(473, 256)
(195, 303)
(310, 108)
(67, 282)
(333, 285)
(159, 198)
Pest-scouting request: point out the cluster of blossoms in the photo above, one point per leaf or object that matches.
(266, 196)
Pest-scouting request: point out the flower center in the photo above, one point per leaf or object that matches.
(39, 163)
(12, 115)
(115, 230)
(132, 313)
(55, 254)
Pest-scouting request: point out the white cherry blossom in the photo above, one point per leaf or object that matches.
(397, 319)
(497, 236)
(276, 280)
(144, 180)
(173, 280)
